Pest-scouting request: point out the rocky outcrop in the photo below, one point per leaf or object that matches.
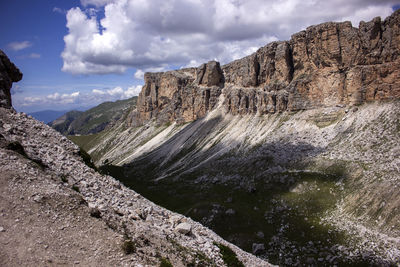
(182, 95)
(9, 73)
(324, 65)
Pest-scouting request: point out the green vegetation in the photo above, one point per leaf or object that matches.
(75, 188)
(93, 120)
(64, 178)
(128, 246)
(62, 124)
(192, 258)
(229, 256)
(87, 159)
(165, 263)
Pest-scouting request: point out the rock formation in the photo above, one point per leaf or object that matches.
(50, 199)
(9, 73)
(324, 65)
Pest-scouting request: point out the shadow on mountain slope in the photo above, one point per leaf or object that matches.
(265, 198)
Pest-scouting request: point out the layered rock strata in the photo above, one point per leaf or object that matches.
(324, 65)
(9, 73)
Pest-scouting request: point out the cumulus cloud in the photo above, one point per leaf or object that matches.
(173, 33)
(118, 92)
(94, 97)
(16, 46)
(139, 74)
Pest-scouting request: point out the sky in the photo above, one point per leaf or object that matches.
(76, 54)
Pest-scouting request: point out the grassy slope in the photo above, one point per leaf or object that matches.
(95, 119)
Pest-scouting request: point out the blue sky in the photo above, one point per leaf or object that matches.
(42, 25)
(76, 54)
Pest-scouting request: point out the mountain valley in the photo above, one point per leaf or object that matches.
(290, 155)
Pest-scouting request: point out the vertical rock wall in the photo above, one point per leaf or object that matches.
(324, 65)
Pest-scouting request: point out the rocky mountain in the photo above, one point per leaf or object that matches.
(63, 122)
(292, 153)
(322, 66)
(95, 119)
(56, 210)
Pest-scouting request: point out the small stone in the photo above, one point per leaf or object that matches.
(230, 212)
(175, 219)
(183, 228)
(258, 248)
(2, 229)
(37, 198)
(260, 234)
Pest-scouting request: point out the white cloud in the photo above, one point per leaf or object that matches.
(97, 3)
(16, 46)
(98, 92)
(59, 10)
(115, 91)
(133, 91)
(61, 99)
(34, 55)
(76, 99)
(172, 33)
(118, 92)
(139, 74)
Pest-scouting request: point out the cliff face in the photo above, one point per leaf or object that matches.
(322, 66)
(9, 73)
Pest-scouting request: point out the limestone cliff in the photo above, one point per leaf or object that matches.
(324, 65)
(9, 73)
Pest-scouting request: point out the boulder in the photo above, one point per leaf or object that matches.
(258, 248)
(9, 73)
(183, 228)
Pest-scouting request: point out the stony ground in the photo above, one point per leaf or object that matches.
(55, 210)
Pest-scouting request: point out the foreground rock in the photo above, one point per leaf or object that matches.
(55, 210)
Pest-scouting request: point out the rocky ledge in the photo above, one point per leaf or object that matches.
(322, 66)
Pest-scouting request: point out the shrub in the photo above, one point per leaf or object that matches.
(229, 256)
(165, 263)
(128, 247)
(75, 188)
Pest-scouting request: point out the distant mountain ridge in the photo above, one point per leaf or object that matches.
(93, 120)
(48, 115)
